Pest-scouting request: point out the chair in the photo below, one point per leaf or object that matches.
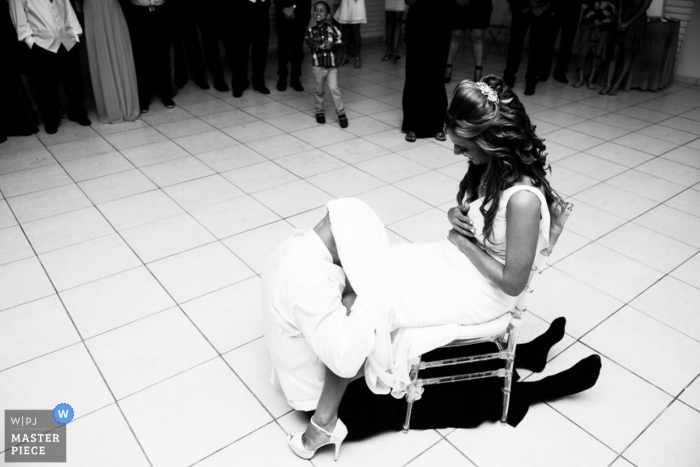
(502, 331)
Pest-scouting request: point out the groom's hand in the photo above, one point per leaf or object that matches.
(348, 300)
(459, 218)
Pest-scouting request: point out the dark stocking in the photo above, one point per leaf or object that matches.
(533, 355)
(576, 379)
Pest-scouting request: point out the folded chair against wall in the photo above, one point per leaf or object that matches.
(502, 331)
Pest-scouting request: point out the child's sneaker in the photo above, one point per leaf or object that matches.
(320, 117)
(343, 119)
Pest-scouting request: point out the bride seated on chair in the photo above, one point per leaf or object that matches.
(474, 276)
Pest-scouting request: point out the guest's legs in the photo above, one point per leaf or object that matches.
(261, 41)
(44, 64)
(477, 36)
(455, 42)
(518, 30)
(160, 34)
(284, 31)
(72, 80)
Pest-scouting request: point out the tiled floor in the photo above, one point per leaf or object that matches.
(130, 258)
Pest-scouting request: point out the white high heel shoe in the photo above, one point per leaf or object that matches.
(336, 438)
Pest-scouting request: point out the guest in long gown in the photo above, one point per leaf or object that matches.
(428, 35)
(16, 115)
(111, 61)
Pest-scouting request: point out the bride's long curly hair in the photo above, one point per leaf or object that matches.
(506, 134)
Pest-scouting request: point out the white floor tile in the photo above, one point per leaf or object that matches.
(229, 317)
(531, 443)
(43, 322)
(689, 272)
(145, 352)
(674, 223)
(24, 160)
(47, 203)
(391, 168)
(97, 166)
(672, 302)
(134, 138)
(670, 440)
(216, 398)
(279, 146)
(177, 171)
(154, 153)
(33, 180)
(252, 364)
(610, 272)
(293, 198)
(263, 448)
(140, 209)
(252, 131)
(428, 226)
(591, 166)
(23, 281)
(648, 247)
(255, 245)
(643, 184)
(79, 149)
(88, 261)
(116, 186)
(615, 410)
(111, 302)
(392, 204)
(344, 182)
(647, 348)
(42, 383)
(431, 155)
(234, 216)
(205, 142)
(166, 237)
(62, 230)
(558, 294)
(14, 245)
(230, 157)
(199, 271)
(591, 222)
(443, 453)
(671, 171)
(309, 163)
(258, 177)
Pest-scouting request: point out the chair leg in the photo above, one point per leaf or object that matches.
(507, 383)
(410, 395)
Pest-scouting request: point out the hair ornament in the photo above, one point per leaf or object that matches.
(487, 91)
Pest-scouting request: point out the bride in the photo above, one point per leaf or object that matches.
(475, 275)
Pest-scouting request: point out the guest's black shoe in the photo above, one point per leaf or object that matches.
(237, 92)
(282, 84)
(50, 128)
(561, 77)
(530, 89)
(201, 83)
(221, 86)
(168, 103)
(261, 88)
(320, 118)
(343, 120)
(83, 120)
(296, 85)
(144, 109)
(3, 138)
(509, 80)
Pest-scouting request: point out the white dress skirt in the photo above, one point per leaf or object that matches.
(351, 12)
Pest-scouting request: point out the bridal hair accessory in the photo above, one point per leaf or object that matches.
(487, 91)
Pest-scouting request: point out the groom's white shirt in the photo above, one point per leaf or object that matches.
(306, 324)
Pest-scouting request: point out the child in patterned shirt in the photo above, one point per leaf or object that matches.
(323, 39)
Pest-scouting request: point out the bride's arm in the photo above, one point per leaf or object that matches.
(522, 231)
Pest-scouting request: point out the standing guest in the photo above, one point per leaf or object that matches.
(251, 39)
(51, 30)
(627, 40)
(16, 115)
(394, 18)
(187, 51)
(292, 18)
(111, 62)
(149, 24)
(475, 16)
(527, 13)
(427, 44)
(323, 39)
(597, 17)
(351, 14)
(565, 17)
(213, 15)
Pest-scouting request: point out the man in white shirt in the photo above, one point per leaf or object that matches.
(50, 29)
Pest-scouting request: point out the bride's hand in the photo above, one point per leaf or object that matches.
(459, 218)
(459, 240)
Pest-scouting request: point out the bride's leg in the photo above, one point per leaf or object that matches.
(576, 379)
(326, 414)
(533, 355)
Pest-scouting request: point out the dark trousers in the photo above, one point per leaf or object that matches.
(251, 40)
(520, 24)
(290, 43)
(214, 22)
(465, 404)
(566, 17)
(50, 69)
(150, 37)
(187, 51)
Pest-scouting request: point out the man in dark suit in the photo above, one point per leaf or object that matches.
(251, 39)
(292, 18)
